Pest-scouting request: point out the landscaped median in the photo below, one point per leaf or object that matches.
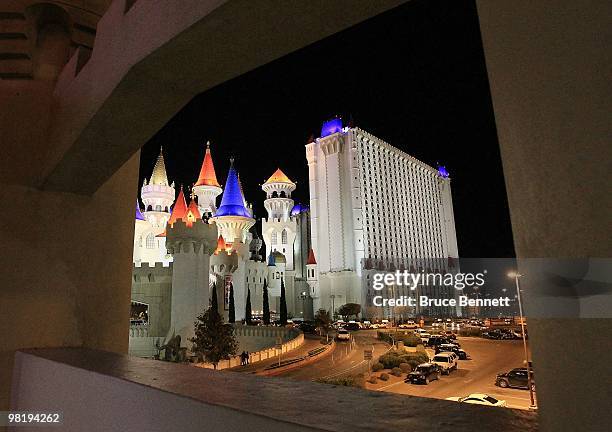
(312, 356)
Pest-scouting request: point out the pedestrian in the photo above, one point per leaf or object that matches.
(247, 359)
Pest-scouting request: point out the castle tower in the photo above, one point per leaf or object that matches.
(312, 279)
(191, 241)
(158, 195)
(233, 219)
(279, 229)
(207, 187)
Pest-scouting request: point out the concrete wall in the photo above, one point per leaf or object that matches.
(548, 64)
(67, 268)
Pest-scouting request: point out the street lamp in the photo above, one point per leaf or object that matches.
(516, 276)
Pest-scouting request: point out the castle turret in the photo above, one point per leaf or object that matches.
(207, 187)
(279, 229)
(158, 195)
(312, 275)
(191, 241)
(233, 219)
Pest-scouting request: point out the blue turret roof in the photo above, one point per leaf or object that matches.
(139, 215)
(232, 201)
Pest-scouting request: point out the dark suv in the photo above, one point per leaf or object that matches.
(435, 340)
(424, 373)
(516, 378)
(452, 348)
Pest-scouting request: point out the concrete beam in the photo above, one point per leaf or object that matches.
(151, 61)
(548, 64)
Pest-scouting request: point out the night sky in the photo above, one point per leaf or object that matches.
(414, 76)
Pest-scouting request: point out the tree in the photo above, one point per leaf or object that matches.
(247, 311)
(232, 306)
(283, 304)
(213, 298)
(266, 304)
(323, 320)
(213, 340)
(349, 309)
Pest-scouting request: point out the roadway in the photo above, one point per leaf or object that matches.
(347, 359)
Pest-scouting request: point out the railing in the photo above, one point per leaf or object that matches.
(139, 330)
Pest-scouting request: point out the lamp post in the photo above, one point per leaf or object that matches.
(333, 312)
(516, 276)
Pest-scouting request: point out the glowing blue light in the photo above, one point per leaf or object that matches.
(442, 171)
(331, 127)
(232, 202)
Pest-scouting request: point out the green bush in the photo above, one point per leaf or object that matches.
(393, 359)
(349, 381)
(384, 377)
(397, 371)
(405, 367)
(420, 348)
(411, 340)
(377, 367)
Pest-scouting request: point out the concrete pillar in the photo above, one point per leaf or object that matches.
(548, 64)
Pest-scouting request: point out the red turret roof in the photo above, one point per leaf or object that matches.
(311, 258)
(179, 211)
(207, 172)
(221, 246)
(193, 213)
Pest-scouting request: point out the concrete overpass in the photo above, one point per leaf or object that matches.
(72, 122)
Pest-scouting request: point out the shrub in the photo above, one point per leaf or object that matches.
(372, 380)
(405, 367)
(349, 381)
(377, 367)
(420, 348)
(411, 340)
(397, 371)
(384, 377)
(393, 359)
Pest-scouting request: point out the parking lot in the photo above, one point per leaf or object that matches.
(476, 375)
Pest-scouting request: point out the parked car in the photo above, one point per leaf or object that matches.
(435, 340)
(352, 326)
(408, 325)
(424, 373)
(446, 360)
(462, 355)
(449, 334)
(420, 330)
(479, 399)
(516, 378)
(343, 334)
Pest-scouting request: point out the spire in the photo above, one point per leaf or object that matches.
(192, 214)
(159, 176)
(221, 246)
(232, 201)
(179, 211)
(139, 215)
(207, 172)
(278, 177)
(311, 258)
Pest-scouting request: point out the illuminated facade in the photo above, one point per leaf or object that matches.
(180, 253)
(371, 205)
